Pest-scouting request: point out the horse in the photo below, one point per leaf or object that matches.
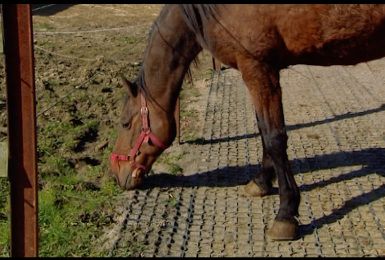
(257, 40)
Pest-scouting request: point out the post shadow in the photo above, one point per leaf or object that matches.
(347, 115)
(50, 10)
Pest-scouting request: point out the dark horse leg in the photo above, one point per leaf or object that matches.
(263, 84)
(262, 184)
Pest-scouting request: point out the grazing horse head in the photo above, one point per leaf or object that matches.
(147, 124)
(137, 147)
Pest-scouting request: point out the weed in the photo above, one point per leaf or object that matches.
(175, 169)
(44, 26)
(172, 202)
(129, 39)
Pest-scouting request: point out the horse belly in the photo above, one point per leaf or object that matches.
(344, 54)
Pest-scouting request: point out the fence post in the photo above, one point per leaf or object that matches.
(22, 168)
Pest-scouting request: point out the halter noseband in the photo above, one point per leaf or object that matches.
(145, 136)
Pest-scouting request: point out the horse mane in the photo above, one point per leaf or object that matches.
(195, 17)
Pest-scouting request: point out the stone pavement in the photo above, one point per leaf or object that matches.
(335, 118)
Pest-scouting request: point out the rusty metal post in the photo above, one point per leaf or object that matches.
(177, 119)
(22, 169)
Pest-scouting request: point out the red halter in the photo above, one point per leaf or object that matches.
(144, 137)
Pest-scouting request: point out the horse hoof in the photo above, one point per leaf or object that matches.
(254, 190)
(283, 230)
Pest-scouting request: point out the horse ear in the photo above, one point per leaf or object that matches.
(132, 88)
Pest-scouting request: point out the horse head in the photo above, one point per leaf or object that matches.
(139, 143)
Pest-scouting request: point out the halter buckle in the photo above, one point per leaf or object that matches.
(144, 111)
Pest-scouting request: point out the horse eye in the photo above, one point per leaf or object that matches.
(126, 125)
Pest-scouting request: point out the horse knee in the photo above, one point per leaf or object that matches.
(276, 144)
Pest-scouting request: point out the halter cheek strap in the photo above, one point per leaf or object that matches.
(145, 136)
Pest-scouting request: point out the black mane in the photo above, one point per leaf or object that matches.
(197, 16)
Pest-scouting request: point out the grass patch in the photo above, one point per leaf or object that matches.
(73, 210)
(129, 40)
(75, 204)
(175, 169)
(43, 26)
(5, 227)
(170, 160)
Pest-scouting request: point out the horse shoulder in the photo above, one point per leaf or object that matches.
(300, 27)
(244, 30)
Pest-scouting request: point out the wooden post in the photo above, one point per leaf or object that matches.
(22, 168)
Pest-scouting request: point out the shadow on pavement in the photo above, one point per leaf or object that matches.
(290, 127)
(372, 161)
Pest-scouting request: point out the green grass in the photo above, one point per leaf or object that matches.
(72, 214)
(3, 159)
(75, 205)
(4, 218)
(170, 160)
(172, 201)
(175, 169)
(189, 117)
(43, 27)
(129, 39)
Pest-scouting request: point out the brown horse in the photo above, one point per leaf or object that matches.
(259, 41)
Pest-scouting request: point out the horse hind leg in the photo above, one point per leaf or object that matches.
(263, 84)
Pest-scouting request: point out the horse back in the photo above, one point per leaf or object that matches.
(292, 34)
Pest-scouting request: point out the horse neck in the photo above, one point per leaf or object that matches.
(171, 49)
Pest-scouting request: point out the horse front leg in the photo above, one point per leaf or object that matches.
(263, 84)
(262, 183)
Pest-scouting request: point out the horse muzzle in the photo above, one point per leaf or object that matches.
(128, 174)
